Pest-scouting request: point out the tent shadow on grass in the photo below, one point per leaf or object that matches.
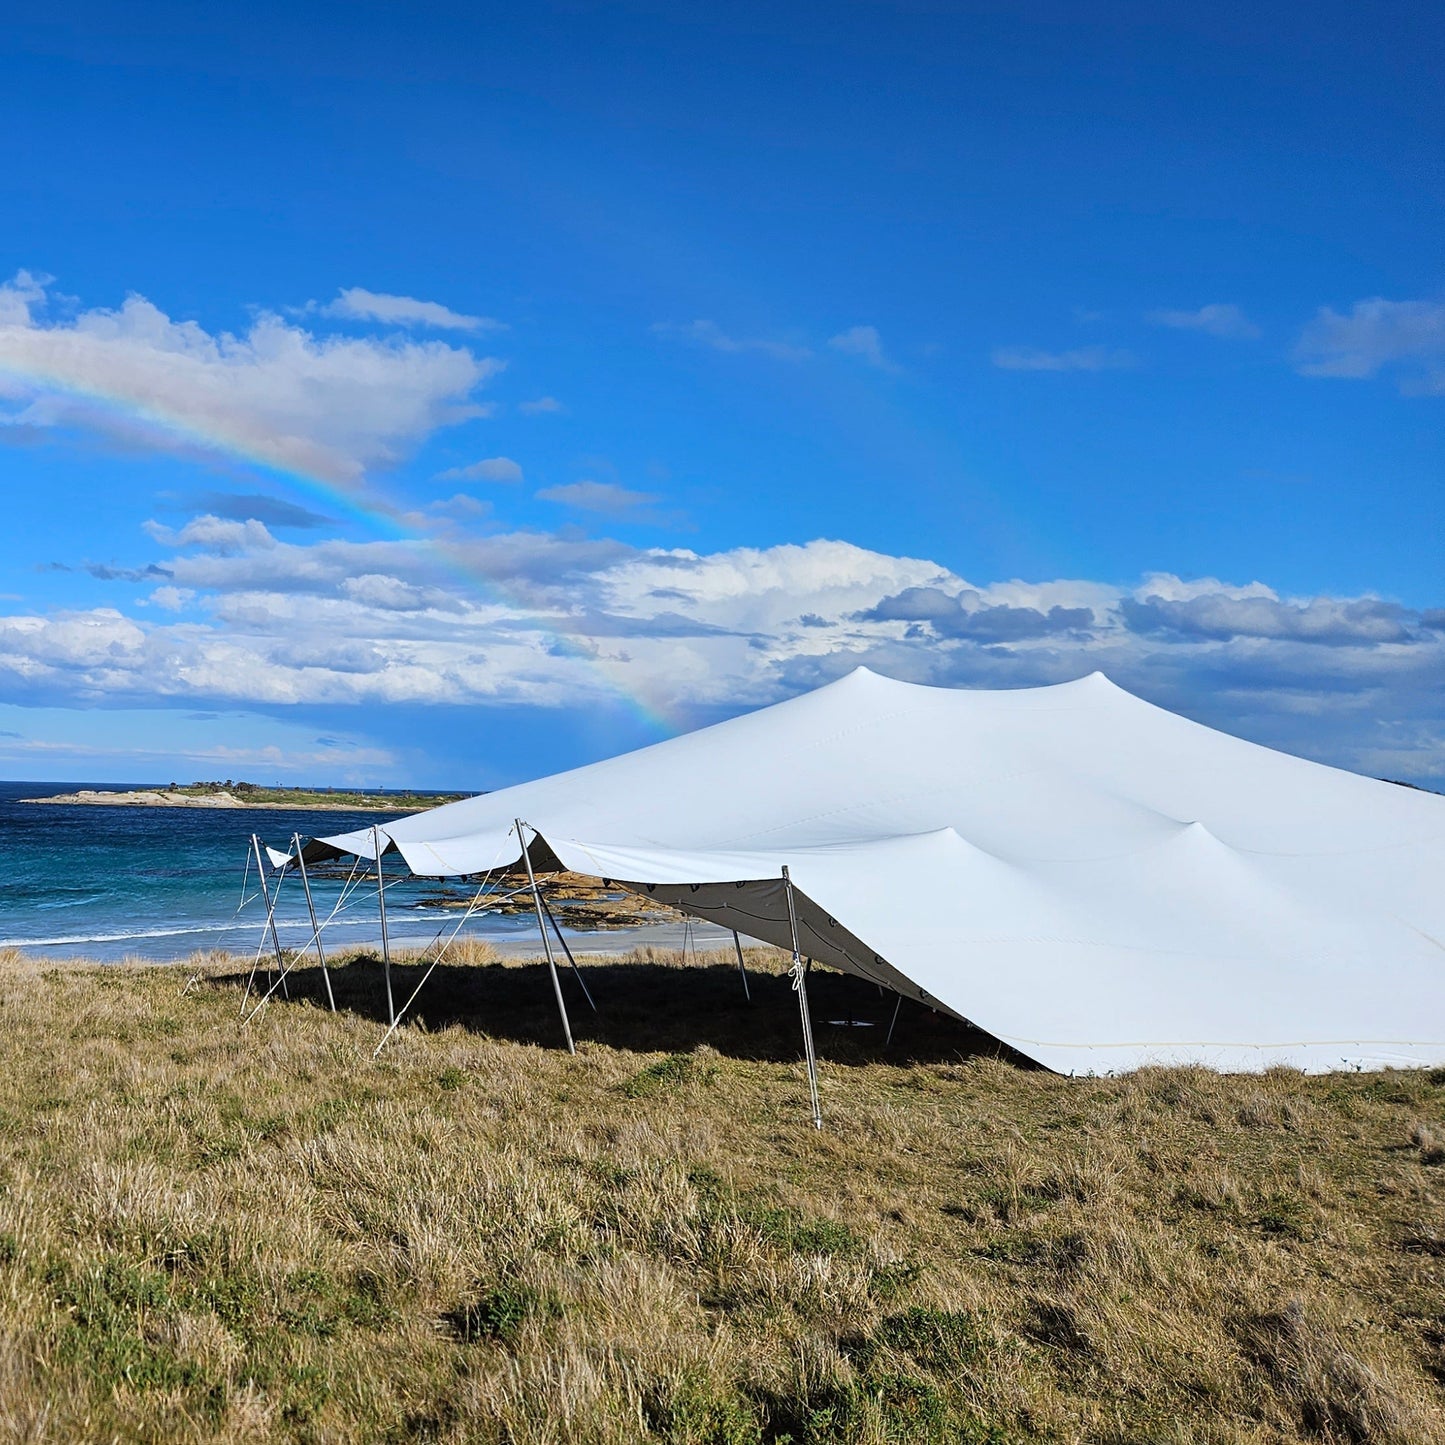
(648, 1007)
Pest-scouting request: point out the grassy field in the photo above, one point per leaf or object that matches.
(216, 1231)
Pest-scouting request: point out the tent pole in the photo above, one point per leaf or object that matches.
(799, 975)
(385, 941)
(546, 941)
(587, 992)
(892, 1023)
(742, 967)
(261, 946)
(271, 902)
(315, 927)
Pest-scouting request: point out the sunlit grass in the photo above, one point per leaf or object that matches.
(218, 1231)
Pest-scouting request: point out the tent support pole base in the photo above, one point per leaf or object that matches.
(546, 940)
(799, 973)
(586, 992)
(742, 967)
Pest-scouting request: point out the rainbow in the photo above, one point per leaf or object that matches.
(361, 501)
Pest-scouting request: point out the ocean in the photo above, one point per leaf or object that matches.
(117, 881)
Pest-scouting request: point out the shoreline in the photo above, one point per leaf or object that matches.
(164, 798)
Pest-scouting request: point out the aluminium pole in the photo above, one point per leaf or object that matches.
(385, 941)
(893, 1022)
(546, 941)
(799, 974)
(315, 927)
(271, 902)
(742, 967)
(552, 920)
(261, 943)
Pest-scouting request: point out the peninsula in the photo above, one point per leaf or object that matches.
(250, 795)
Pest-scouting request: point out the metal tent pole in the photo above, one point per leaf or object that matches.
(260, 946)
(799, 975)
(385, 941)
(271, 901)
(550, 919)
(315, 927)
(893, 1021)
(546, 941)
(473, 907)
(742, 967)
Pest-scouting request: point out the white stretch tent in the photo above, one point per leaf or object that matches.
(1097, 882)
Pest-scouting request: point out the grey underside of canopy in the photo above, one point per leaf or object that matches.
(759, 909)
(756, 908)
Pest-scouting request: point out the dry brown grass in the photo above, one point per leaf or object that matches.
(213, 1232)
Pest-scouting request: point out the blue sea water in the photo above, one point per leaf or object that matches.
(114, 881)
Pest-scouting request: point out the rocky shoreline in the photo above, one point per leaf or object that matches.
(152, 798)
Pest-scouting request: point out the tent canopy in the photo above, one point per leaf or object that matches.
(1096, 881)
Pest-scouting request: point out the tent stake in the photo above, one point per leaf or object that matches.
(893, 1021)
(587, 992)
(799, 975)
(315, 927)
(742, 967)
(385, 941)
(546, 941)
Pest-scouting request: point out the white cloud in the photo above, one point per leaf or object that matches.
(21, 297)
(460, 505)
(590, 496)
(355, 303)
(711, 335)
(565, 623)
(1220, 318)
(1406, 336)
(332, 407)
(171, 599)
(864, 343)
(1082, 358)
(541, 406)
(489, 469)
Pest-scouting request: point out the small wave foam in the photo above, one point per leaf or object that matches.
(288, 925)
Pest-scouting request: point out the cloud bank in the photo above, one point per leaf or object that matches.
(554, 621)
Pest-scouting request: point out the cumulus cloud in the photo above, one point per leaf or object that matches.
(1082, 358)
(541, 406)
(355, 303)
(1219, 318)
(1327, 620)
(605, 497)
(1406, 337)
(489, 469)
(566, 621)
(712, 336)
(864, 343)
(170, 599)
(967, 614)
(329, 407)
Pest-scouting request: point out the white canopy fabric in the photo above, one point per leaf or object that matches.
(1097, 882)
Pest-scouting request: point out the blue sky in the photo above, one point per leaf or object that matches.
(443, 395)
